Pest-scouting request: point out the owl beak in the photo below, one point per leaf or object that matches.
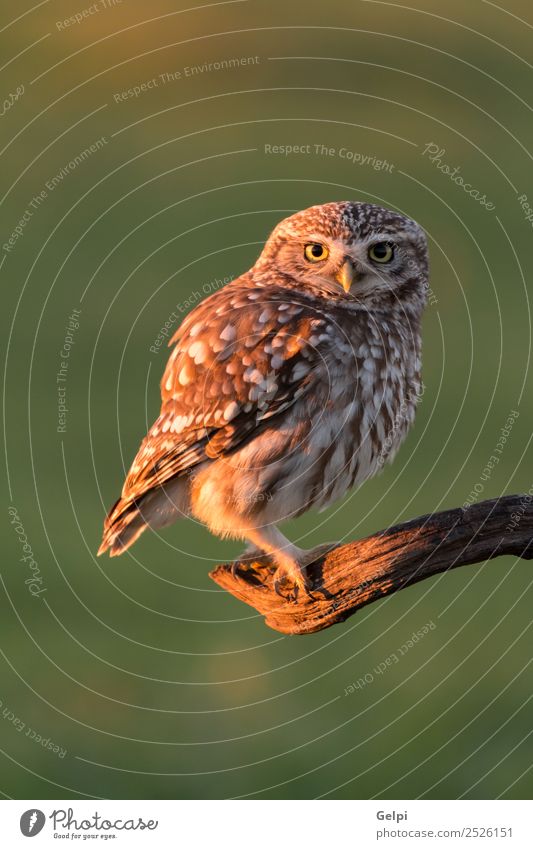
(346, 275)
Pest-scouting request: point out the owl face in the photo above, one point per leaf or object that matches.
(353, 252)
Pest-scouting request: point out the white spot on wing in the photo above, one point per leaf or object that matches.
(183, 376)
(195, 329)
(229, 333)
(231, 411)
(198, 351)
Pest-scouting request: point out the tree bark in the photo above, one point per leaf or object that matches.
(358, 573)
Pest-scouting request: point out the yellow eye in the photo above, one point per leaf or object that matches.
(315, 252)
(381, 252)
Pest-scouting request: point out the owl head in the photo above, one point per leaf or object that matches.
(353, 252)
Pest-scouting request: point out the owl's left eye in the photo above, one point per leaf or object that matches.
(381, 252)
(315, 252)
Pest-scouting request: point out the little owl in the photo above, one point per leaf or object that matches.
(287, 387)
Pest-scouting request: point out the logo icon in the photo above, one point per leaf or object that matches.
(32, 822)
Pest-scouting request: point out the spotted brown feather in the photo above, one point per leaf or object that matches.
(234, 367)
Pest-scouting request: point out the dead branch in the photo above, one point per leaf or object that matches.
(358, 573)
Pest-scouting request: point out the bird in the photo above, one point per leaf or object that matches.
(287, 387)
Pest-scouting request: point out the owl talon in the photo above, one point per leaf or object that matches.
(250, 555)
(292, 594)
(296, 575)
(239, 566)
(296, 581)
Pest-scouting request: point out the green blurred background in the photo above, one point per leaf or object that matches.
(150, 680)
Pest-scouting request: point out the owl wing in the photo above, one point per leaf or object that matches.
(240, 358)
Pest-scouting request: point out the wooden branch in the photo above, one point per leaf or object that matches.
(353, 575)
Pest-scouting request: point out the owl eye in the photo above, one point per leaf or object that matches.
(315, 252)
(381, 252)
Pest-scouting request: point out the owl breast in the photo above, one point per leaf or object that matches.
(374, 386)
(335, 436)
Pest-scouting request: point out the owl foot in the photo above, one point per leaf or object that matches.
(269, 548)
(251, 554)
(292, 579)
(296, 575)
(288, 575)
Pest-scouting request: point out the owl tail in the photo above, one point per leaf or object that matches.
(156, 508)
(123, 525)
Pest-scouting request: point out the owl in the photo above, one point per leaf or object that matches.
(286, 388)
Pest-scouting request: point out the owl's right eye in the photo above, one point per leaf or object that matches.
(315, 252)
(381, 252)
